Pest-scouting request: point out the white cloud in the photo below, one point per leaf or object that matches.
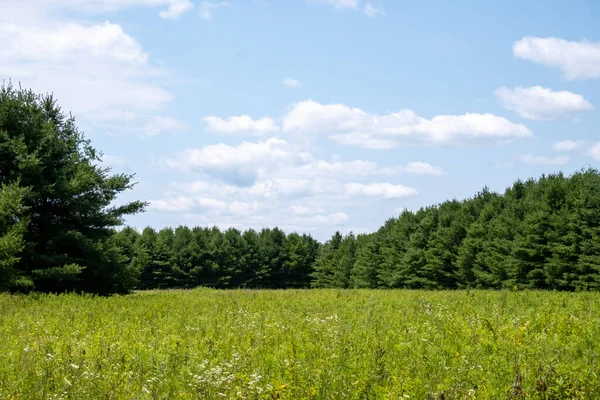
(176, 9)
(332, 219)
(372, 11)
(594, 151)
(276, 167)
(207, 188)
(207, 8)
(422, 168)
(97, 71)
(52, 44)
(354, 126)
(542, 103)
(241, 124)
(577, 60)
(240, 164)
(342, 4)
(209, 204)
(358, 168)
(321, 168)
(567, 145)
(291, 83)
(276, 187)
(174, 204)
(540, 160)
(171, 9)
(300, 210)
(356, 5)
(273, 181)
(384, 190)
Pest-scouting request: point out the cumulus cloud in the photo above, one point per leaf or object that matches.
(356, 5)
(272, 180)
(300, 210)
(240, 164)
(212, 205)
(542, 103)
(245, 214)
(169, 9)
(173, 204)
(567, 145)
(341, 4)
(320, 168)
(241, 124)
(354, 126)
(384, 190)
(291, 83)
(96, 70)
(422, 168)
(540, 160)
(44, 44)
(274, 166)
(577, 60)
(331, 219)
(176, 9)
(594, 151)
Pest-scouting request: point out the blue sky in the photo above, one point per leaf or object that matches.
(315, 115)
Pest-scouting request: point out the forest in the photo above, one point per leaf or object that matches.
(60, 230)
(539, 234)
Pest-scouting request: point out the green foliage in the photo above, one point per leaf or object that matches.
(184, 257)
(301, 344)
(58, 220)
(539, 234)
(13, 224)
(68, 200)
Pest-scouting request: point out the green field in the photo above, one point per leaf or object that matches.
(320, 344)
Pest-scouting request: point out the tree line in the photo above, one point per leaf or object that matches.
(59, 230)
(540, 234)
(185, 258)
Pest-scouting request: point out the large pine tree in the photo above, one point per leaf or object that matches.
(69, 199)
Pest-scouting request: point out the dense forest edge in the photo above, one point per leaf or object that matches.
(59, 230)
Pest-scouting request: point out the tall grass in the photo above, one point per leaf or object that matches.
(317, 344)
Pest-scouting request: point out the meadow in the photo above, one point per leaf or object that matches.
(301, 344)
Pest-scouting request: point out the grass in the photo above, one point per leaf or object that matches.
(318, 344)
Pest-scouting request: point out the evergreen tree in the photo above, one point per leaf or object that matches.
(68, 241)
(298, 263)
(346, 258)
(368, 261)
(13, 225)
(326, 263)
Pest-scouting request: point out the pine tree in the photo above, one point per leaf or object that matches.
(364, 274)
(13, 225)
(68, 241)
(326, 262)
